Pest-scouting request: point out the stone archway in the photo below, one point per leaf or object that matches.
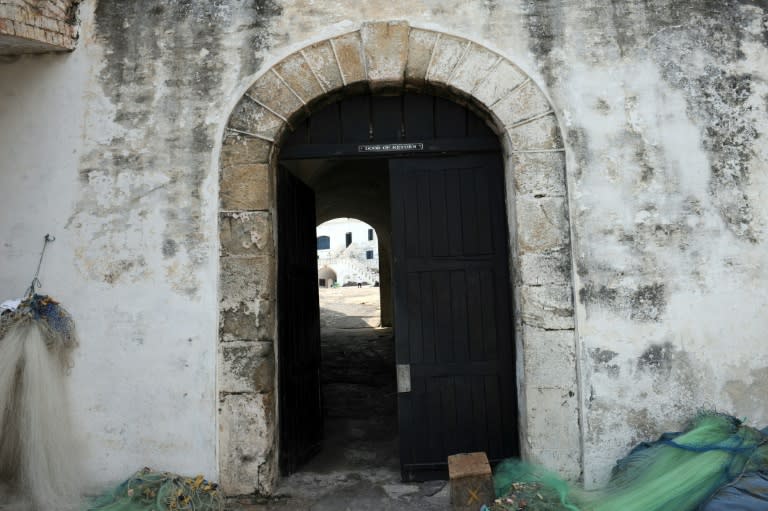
(381, 56)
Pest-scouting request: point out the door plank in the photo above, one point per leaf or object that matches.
(301, 419)
(451, 282)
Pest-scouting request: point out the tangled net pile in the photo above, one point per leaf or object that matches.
(161, 491)
(680, 472)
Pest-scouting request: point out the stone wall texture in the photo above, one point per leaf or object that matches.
(37, 26)
(636, 162)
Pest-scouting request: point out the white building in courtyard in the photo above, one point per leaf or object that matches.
(347, 253)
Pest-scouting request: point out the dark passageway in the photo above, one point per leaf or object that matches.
(426, 173)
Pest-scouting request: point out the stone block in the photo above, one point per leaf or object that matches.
(246, 233)
(244, 280)
(252, 321)
(350, 57)
(549, 358)
(565, 462)
(420, 44)
(547, 306)
(246, 366)
(272, 92)
(323, 62)
(542, 224)
(299, 76)
(473, 69)
(385, 47)
(471, 481)
(553, 428)
(541, 134)
(498, 84)
(538, 174)
(525, 102)
(245, 187)
(250, 117)
(246, 442)
(446, 55)
(548, 267)
(240, 150)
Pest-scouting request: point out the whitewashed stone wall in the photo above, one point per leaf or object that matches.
(116, 149)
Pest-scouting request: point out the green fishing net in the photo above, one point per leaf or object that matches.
(678, 472)
(161, 491)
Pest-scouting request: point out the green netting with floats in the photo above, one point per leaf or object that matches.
(679, 471)
(161, 491)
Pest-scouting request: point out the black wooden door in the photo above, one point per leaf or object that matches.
(301, 417)
(452, 311)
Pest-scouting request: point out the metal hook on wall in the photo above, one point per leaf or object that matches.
(35, 280)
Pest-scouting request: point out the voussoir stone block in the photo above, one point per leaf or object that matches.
(250, 117)
(270, 90)
(473, 69)
(447, 54)
(299, 76)
(420, 45)
(538, 174)
(525, 102)
(504, 78)
(240, 149)
(322, 60)
(246, 438)
(540, 134)
(348, 48)
(385, 47)
(246, 233)
(245, 187)
(542, 224)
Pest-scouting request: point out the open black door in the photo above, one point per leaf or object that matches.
(301, 415)
(453, 312)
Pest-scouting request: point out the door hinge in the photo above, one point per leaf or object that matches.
(403, 378)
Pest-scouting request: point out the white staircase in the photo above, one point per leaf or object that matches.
(349, 269)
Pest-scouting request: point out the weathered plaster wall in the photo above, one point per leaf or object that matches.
(111, 148)
(114, 148)
(664, 108)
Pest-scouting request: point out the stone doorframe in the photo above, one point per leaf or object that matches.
(384, 56)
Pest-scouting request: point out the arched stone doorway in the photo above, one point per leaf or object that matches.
(326, 277)
(383, 56)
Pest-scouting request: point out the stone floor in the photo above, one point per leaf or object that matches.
(358, 468)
